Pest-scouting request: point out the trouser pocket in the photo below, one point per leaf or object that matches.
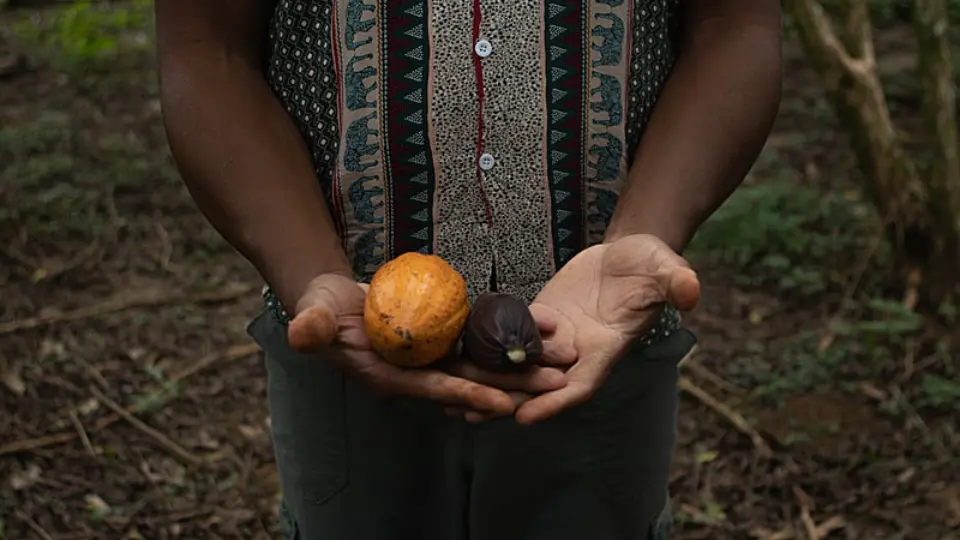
(662, 528)
(288, 526)
(307, 419)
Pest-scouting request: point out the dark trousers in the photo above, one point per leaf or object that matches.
(356, 466)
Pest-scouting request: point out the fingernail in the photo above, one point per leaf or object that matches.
(473, 417)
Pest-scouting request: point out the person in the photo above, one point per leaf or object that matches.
(564, 152)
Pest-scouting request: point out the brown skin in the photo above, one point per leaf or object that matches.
(250, 173)
(240, 154)
(710, 123)
(620, 289)
(709, 126)
(706, 131)
(231, 137)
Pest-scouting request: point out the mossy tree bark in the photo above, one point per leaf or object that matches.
(942, 171)
(919, 204)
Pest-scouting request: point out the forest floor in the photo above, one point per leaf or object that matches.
(132, 402)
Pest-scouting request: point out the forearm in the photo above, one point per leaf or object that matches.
(708, 127)
(248, 169)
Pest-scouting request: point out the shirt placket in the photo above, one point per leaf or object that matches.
(486, 161)
(510, 160)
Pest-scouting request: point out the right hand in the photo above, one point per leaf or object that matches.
(329, 323)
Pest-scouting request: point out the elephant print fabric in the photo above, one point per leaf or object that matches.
(506, 159)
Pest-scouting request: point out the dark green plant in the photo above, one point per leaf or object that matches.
(782, 233)
(83, 35)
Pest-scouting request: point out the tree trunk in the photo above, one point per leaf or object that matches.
(846, 64)
(940, 114)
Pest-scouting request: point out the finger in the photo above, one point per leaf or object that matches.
(312, 329)
(474, 417)
(585, 378)
(454, 411)
(535, 380)
(428, 384)
(683, 289)
(547, 318)
(519, 398)
(439, 386)
(559, 351)
(547, 405)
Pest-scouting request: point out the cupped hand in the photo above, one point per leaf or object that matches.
(329, 323)
(558, 354)
(603, 299)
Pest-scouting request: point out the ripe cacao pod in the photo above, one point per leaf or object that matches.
(415, 310)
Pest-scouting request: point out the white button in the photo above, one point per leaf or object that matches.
(487, 162)
(483, 48)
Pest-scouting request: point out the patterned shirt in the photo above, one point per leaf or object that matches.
(494, 133)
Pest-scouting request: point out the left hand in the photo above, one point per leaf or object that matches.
(605, 297)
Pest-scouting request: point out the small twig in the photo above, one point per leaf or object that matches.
(83, 535)
(735, 418)
(39, 442)
(814, 531)
(231, 353)
(909, 358)
(166, 250)
(763, 533)
(851, 289)
(15, 254)
(702, 518)
(918, 367)
(113, 306)
(912, 294)
(830, 525)
(234, 352)
(34, 526)
(94, 372)
(160, 438)
(803, 500)
(13, 64)
(914, 419)
(698, 368)
(179, 516)
(82, 433)
(42, 273)
(783, 534)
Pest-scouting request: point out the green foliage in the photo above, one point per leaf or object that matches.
(52, 187)
(41, 174)
(885, 12)
(802, 367)
(940, 392)
(781, 233)
(868, 338)
(868, 344)
(88, 34)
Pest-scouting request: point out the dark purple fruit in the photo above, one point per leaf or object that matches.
(500, 334)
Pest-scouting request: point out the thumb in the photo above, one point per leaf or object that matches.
(312, 329)
(315, 325)
(682, 288)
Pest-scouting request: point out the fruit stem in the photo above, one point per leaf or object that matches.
(517, 356)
